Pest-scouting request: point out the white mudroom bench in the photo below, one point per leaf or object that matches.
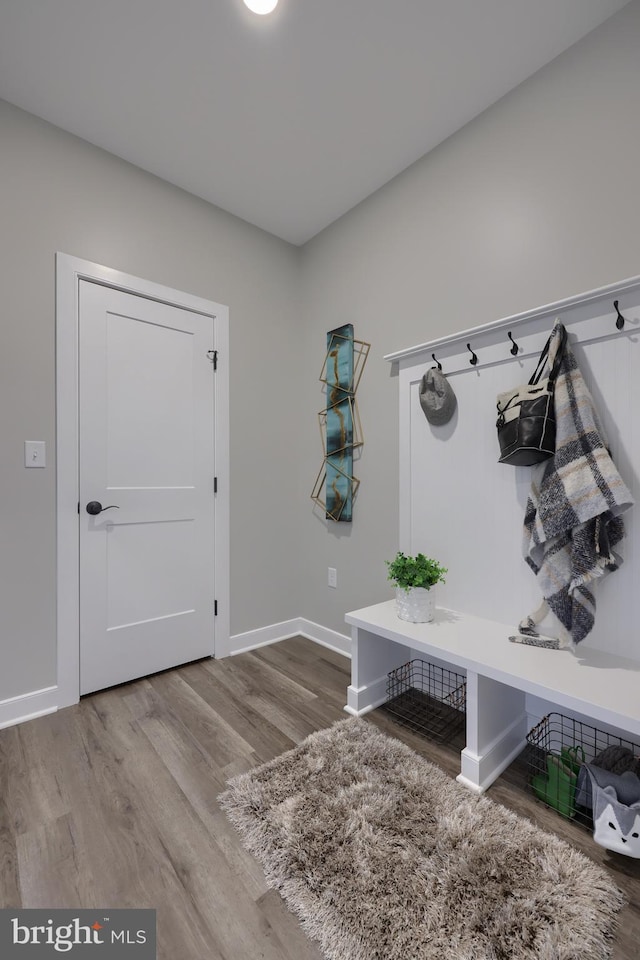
(499, 674)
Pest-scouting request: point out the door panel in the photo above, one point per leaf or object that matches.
(147, 447)
(145, 582)
(149, 366)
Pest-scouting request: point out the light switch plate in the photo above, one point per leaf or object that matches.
(35, 454)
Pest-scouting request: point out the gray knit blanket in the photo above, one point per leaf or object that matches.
(572, 520)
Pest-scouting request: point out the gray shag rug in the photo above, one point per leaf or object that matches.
(383, 857)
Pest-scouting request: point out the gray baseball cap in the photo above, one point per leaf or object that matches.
(437, 398)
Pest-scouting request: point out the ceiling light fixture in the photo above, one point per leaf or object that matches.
(261, 6)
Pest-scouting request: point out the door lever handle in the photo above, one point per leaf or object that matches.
(94, 507)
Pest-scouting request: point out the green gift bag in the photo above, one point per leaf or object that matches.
(558, 787)
(573, 757)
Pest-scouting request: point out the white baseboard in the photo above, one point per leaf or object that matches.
(339, 642)
(296, 627)
(28, 706)
(37, 703)
(263, 636)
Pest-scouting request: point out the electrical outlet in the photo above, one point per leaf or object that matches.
(332, 577)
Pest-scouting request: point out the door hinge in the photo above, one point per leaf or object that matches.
(213, 358)
(215, 484)
(215, 608)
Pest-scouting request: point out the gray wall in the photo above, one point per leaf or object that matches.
(535, 200)
(59, 193)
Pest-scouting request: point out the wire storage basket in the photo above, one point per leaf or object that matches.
(556, 749)
(427, 698)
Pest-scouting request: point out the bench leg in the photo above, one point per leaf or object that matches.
(372, 657)
(496, 731)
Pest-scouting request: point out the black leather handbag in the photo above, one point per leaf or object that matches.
(526, 421)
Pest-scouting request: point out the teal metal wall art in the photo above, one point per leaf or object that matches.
(340, 427)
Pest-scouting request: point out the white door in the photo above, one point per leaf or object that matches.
(146, 436)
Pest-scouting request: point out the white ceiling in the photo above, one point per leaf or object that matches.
(289, 120)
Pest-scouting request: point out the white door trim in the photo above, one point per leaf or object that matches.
(69, 271)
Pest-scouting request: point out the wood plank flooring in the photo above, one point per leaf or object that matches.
(112, 803)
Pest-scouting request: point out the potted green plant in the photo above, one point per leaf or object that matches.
(415, 578)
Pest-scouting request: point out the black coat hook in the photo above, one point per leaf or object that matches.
(620, 320)
(514, 348)
(437, 362)
(474, 359)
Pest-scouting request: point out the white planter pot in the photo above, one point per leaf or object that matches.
(416, 604)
